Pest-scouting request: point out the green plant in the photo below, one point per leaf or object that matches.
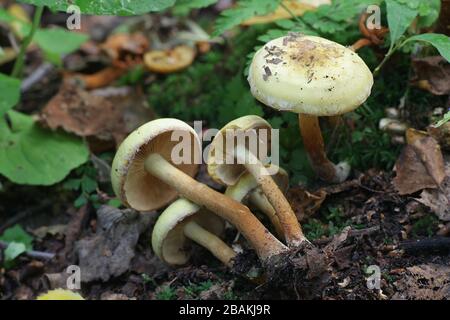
(426, 225)
(443, 121)
(18, 241)
(166, 293)
(193, 290)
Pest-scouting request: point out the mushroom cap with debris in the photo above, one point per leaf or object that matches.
(310, 75)
(168, 239)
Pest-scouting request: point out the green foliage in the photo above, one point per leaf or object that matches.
(440, 41)
(86, 184)
(399, 16)
(193, 290)
(58, 41)
(18, 240)
(107, 7)
(166, 293)
(426, 225)
(444, 120)
(32, 155)
(183, 7)
(245, 9)
(10, 92)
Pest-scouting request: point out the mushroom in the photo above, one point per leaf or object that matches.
(60, 294)
(248, 189)
(313, 77)
(183, 222)
(169, 61)
(229, 159)
(145, 178)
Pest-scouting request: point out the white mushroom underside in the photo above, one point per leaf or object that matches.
(311, 75)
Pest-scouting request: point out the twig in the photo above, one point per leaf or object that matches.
(36, 76)
(427, 245)
(18, 66)
(40, 255)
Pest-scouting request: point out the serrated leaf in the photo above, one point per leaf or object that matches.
(400, 16)
(17, 234)
(245, 9)
(9, 93)
(440, 41)
(32, 155)
(107, 7)
(59, 41)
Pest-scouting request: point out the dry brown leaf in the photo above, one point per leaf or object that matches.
(124, 49)
(170, 61)
(305, 203)
(420, 166)
(105, 115)
(441, 134)
(432, 74)
(424, 282)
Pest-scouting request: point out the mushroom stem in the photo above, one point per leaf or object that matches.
(265, 244)
(288, 220)
(260, 201)
(214, 244)
(315, 147)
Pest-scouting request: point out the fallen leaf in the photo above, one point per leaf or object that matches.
(54, 230)
(125, 50)
(424, 282)
(438, 200)
(432, 74)
(442, 135)
(305, 203)
(420, 166)
(109, 253)
(170, 61)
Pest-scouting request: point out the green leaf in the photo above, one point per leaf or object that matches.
(400, 16)
(58, 41)
(32, 155)
(244, 10)
(9, 93)
(444, 120)
(183, 7)
(107, 7)
(19, 235)
(14, 250)
(440, 41)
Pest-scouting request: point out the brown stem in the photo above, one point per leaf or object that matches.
(315, 147)
(361, 43)
(265, 244)
(259, 200)
(288, 220)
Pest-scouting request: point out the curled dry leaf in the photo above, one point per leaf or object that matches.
(124, 49)
(420, 166)
(110, 251)
(169, 61)
(432, 74)
(101, 116)
(424, 282)
(305, 203)
(296, 7)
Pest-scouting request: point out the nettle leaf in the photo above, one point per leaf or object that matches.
(58, 41)
(245, 9)
(400, 16)
(32, 155)
(440, 41)
(106, 7)
(18, 235)
(10, 93)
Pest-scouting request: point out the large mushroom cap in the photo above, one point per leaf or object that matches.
(168, 239)
(247, 184)
(134, 185)
(311, 75)
(229, 173)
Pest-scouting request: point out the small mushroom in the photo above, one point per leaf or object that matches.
(183, 222)
(313, 77)
(248, 189)
(169, 61)
(145, 178)
(60, 294)
(228, 146)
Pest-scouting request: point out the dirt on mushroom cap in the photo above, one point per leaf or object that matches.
(307, 74)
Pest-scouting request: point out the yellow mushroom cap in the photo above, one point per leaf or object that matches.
(170, 61)
(248, 184)
(229, 173)
(60, 294)
(131, 182)
(311, 75)
(168, 240)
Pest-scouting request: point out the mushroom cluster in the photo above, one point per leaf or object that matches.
(310, 76)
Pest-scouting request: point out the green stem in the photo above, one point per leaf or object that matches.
(18, 65)
(391, 51)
